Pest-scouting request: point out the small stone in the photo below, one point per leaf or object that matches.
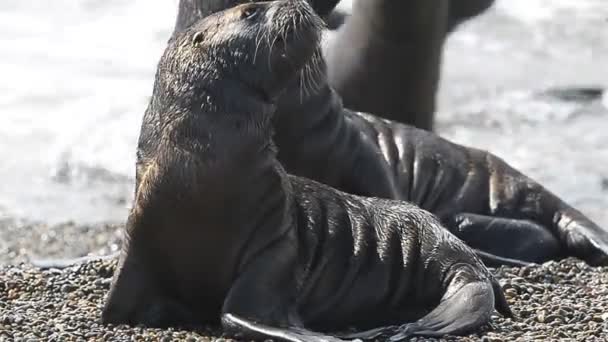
(540, 316)
(68, 288)
(510, 293)
(18, 319)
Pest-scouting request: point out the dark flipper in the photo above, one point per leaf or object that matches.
(506, 239)
(135, 299)
(464, 311)
(513, 195)
(583, 238)
(500, 302)
(262, 310)
(243, 328)
(46, 264)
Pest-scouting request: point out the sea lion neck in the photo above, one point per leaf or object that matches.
(307, 96)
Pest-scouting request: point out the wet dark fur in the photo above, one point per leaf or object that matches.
(510, 218)
(483, 200)
(218, 229)
(388, 50)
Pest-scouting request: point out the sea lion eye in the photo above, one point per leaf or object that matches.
(197, 38)
(249, 12)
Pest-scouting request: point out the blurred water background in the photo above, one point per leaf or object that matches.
(76, 75)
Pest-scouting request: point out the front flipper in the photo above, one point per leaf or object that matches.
(504, 238)
(241, 327)
(135, 298)
(260, 305)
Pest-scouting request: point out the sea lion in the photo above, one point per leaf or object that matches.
(386, 57)
(509, 218)
(388, 50)
(190, 11)
(218, 229)
(481, 198)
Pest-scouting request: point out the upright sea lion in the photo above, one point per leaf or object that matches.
(385, 58)
(218, 229)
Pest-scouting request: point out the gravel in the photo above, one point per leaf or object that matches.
(65, 306)
(21, 241)
(565, 300)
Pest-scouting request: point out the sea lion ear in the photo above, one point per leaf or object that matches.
(197, 38)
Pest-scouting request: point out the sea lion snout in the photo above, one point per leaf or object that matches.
(295, 27)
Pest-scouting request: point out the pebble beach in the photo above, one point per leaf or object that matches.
(76, 81)
(565, 301)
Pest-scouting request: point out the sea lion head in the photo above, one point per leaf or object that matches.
(191, 10)
(258, 46)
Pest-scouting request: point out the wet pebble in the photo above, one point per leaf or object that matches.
(564, 300)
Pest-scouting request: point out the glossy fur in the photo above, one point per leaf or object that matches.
(218, 230)
(388, 50)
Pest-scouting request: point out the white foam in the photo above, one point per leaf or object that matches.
(75, 77)
(533, 11)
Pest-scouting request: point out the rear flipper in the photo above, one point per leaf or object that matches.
(467, 305)
(506, 239)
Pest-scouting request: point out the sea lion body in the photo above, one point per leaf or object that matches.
(218, 229)
(508, 217)
(349, 245)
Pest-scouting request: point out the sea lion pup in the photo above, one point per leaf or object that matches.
(302, 118)
(218, 229)
(190, 11)
(508, 217)
(494, 208)
(385, 58)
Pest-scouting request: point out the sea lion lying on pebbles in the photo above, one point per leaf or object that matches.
(493, 207)
(508, 217)
(218, 229)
